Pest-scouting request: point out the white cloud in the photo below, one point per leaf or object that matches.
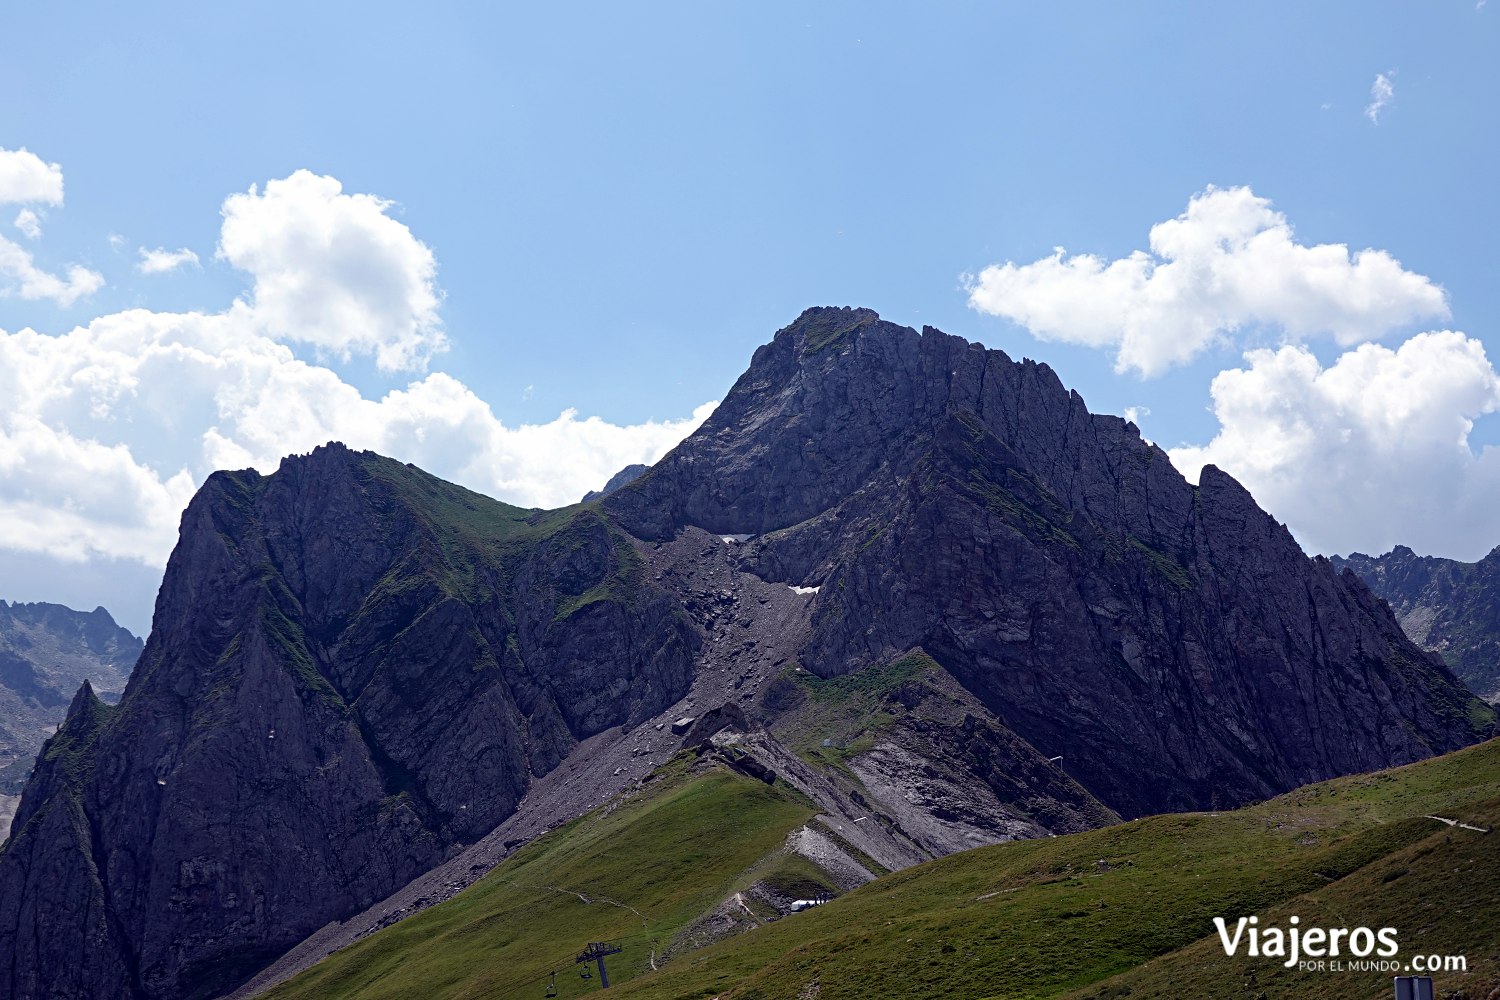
(26, 179)
(20, 276)
(162, 261)
(72, 498)
(335, 271)
(106, 429)
(437, 423)
(1382, 93)
(208, 392)
(1229, 262)
(29, 223)
(1370, 451)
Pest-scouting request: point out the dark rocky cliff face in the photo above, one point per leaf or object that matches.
(1448, 607)
(353, 667)
(1172, 643)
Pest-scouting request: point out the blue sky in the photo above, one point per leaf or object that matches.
(618, 203)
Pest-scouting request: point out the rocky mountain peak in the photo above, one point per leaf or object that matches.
(330, 641)
(834, 396)
(820, 328)
(941, 495)
(83, 702)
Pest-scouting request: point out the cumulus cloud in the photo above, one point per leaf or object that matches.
(162, 261)
(1370, 451)
(439, 423)
(106, 430)
(1228, 263)
(214, 394)
(72, 498)
(335, 271)
(1382, 93)
(29, 223)
(20, 276)
(27, 179)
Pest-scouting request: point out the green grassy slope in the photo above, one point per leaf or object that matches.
(1044, 918)
(648, 867)
(473, 534)
(850, 708)
(1442, 893)
(1030, 919)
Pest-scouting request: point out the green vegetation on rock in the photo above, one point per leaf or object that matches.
(847, 710)
(829, 327)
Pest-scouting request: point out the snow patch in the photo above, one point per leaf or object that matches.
(735, 538)
(804, 590)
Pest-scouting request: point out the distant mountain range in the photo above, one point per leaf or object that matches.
(46, 652)
(1449, 607)
(912, 580)
(624, 477)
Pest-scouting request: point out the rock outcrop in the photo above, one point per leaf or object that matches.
(1171, 643)
(1447, 607)
(353, 668)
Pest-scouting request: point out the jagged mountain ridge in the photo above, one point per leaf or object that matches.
(356, 669)
(353, 667)
(1448, 607)
(1172, 642)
